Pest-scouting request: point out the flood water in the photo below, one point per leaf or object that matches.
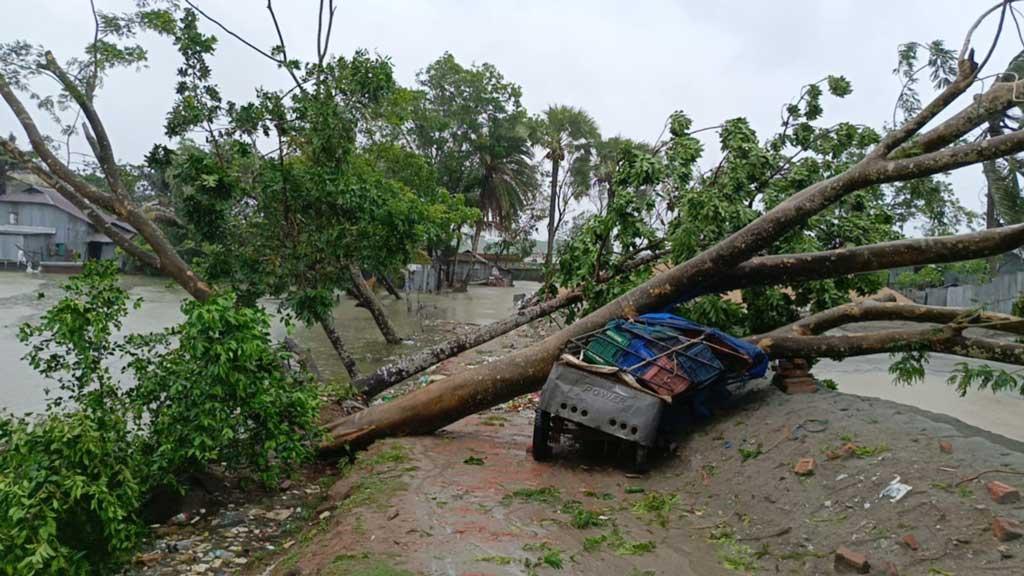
(417, 317)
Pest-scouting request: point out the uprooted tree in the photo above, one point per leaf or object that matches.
(798, 221)
(797, 196)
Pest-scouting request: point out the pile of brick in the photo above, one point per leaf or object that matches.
(793, 376)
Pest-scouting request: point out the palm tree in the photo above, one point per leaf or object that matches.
(567, 135)
(608, 154)
(508, 175)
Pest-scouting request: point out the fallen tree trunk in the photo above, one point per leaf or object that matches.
(764, 270)
(394, 372)
(807, 338)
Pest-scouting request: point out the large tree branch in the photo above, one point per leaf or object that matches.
(42, 150)
(170, 262)
(873, 311)
(941, 340)
(764, 270)
(394, 372)
(807, 338)
(793, 268)
(966, 68)
(998, 99)
(100, 141)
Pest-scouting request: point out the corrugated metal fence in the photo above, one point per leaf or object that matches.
(998, 295)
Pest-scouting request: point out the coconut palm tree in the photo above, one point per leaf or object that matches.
(508, 175)
(567, 136)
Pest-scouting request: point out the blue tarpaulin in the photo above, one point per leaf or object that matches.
(651, 334)
(758, 359)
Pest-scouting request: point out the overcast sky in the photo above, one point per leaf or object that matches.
(629, 63)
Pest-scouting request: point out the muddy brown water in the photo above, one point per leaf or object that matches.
(423, 319)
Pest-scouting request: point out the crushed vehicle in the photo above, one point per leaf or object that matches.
(640, 383)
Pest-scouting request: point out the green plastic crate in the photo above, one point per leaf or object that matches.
(602, 347)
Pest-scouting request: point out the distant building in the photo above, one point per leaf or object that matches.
(476, 268)
(39, 225)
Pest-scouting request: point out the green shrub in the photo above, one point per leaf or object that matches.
(69, 491)
(211, 390)
(220, 395)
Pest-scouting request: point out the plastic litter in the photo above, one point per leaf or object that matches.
(895, 490)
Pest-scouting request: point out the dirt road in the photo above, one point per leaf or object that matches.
(470, 500)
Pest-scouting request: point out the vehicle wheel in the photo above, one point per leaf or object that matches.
(541, 436)
(640, 459)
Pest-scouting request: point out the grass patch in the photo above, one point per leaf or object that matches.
(582, 518)
(542, 495)
(599, 496)
(362, 565)
(618, 544)
(499, 560)
(750, 453)
(656, 505)
(732, 554)
(634, 490)
(549, 556)
(380, 481)
(493, 420)
(391, 453)
(869, 451)
(474, 461)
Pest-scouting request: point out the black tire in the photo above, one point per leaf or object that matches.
(640, 459)
(541, 436)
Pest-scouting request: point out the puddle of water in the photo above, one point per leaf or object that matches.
(22, 389)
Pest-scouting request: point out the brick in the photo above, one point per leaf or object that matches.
(1002, 493)
(849, 561)
(804, 385)
(843, 452)
(945, 447)
(1006, 529)
(786, 373)
(911, 542)
(805, 467)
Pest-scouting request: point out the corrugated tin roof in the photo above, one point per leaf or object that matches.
(26, 188)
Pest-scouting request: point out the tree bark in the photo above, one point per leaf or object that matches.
(338, 344)
(369, 300)
(460, 395)
(552, 209)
